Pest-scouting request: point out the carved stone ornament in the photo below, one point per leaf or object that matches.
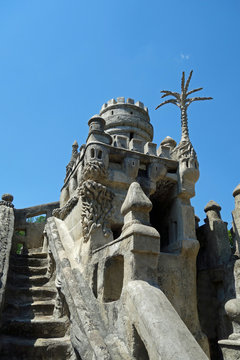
(185, 151)
(94, 170)
(96, 207)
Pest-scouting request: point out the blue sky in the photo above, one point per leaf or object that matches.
(61, 60)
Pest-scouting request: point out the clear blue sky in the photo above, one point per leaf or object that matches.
(61, 60)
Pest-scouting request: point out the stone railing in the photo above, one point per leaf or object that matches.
(157, 325)
(89, 334)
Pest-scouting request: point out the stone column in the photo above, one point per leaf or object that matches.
(142, 240)
(219, 251)
(6, 233)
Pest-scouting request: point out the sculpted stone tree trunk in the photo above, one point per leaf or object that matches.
(182, 101)
(184, 124)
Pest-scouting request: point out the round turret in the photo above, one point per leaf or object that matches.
(127, 118)
(96, 123)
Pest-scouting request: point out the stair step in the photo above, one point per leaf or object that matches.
(36, 255)
(29, 309)
(18, 348)
(28, 260)
(28, 294)
(21, 279)
(40, 326)
(35, 250)
(28, 270)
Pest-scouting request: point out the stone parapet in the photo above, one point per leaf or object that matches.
(120, 101)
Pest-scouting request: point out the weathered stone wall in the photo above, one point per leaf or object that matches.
(32, 237)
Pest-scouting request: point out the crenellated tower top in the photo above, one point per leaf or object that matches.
(128, 118)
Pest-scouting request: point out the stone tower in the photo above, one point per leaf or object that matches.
(118, 153)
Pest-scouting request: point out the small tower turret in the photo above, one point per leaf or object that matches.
(96, 131)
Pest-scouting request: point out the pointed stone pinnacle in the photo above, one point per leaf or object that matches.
(136, 200)
(75, 143)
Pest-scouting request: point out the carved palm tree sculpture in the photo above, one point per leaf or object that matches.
(182, 101)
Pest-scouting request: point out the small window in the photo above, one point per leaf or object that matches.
(36, 219)
(112, 112)
(95, 280)
(92, 153)
(131, 135)
(99, 154)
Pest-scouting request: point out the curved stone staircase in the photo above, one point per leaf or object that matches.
(28, 328)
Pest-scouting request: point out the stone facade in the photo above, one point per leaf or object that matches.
(120, 251)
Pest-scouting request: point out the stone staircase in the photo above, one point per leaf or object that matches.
(28, 329)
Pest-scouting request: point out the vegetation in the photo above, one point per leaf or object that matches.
(36, 219)
(20, 232)
(230, 238)
(19, 249)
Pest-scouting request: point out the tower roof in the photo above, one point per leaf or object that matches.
(212, 205)
(236, 191)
